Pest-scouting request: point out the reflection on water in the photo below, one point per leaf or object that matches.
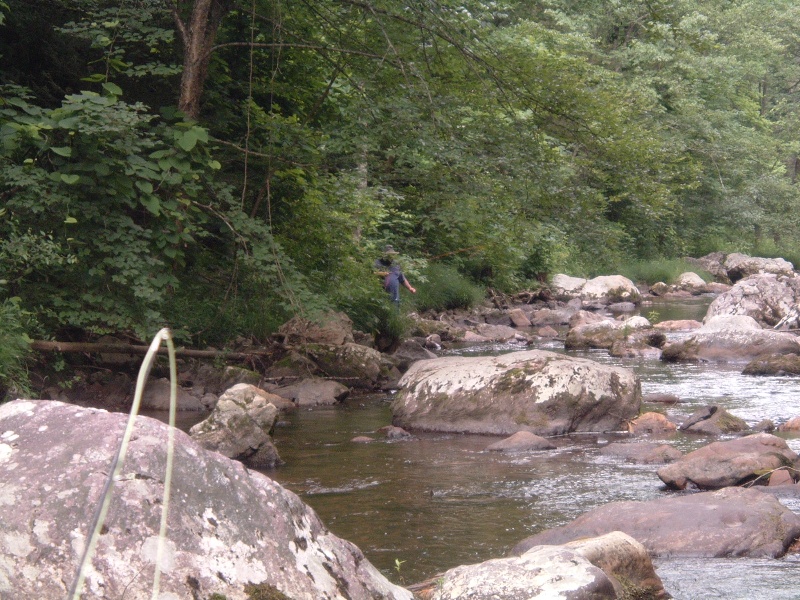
(437, 501)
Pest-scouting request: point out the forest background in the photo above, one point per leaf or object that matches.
(218, 166)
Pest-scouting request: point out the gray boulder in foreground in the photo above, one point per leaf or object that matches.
(610, 566)
(729, 522)
(543, 392)
(228, 529)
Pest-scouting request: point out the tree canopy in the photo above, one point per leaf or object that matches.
(220, 165)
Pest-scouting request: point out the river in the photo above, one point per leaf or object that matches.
(419, 507)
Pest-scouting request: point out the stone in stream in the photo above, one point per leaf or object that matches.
(770, 299)
(642, 452)
(521, 442)
(730, 339)
(240, 427)
(713, 420)
(733, 462)
(543, 392)
(774, 364)
(231, 532)
(610, 566)
(724, 523)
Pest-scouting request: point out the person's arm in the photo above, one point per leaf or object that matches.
(411, 289)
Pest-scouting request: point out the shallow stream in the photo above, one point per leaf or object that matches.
(417, 508)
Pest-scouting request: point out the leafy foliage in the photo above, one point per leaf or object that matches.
(14, 349)
(663, 270)
(508, 140)
(447, 289)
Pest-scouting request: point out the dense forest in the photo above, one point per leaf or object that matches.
(218, 166)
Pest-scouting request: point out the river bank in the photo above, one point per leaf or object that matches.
(420, 506)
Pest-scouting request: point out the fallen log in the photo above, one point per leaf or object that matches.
(128, 349)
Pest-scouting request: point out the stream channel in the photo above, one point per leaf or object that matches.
(419, 507)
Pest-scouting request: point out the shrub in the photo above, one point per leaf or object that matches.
(14, 350)
(665, 269)
(446, 289)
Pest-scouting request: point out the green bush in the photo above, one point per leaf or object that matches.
(666, 270)
(14, 350)
(446, 288)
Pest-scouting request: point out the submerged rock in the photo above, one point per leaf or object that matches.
(230, 531)
(520, 442)
(642, 452)
(542, 392)
(730, 522)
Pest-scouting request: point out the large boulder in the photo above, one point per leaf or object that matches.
(611, 288)
(350, 364)
(156, 396)
(729, 339)
(730, 522)
(713, 420)
(605, 289)
(313, 391)
(542, 392)
(599, 334)
(770, 299)
(691, 282)
(774, 364)
(331, 328)
(610, 566)
(565, 286)
(240, 427)
(552, 316)
(738, 266)
(231, 533)
(732, 462)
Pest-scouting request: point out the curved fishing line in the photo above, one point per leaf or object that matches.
(116, 466)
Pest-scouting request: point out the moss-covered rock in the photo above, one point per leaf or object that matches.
(545, 393)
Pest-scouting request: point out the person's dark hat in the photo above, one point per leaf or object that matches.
(389, 249)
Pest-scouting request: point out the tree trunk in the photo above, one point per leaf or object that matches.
(198, 36)
(48, 346)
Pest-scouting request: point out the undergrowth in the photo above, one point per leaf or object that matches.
(665, 269)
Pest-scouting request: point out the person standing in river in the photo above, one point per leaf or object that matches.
(393, 277)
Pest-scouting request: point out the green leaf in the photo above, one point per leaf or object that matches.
(112, 88)
(96, 78)
(69, 122)
(69, 178)
(188, 140)
(62, 150)
(214, 164)
(145, 186)
(151, 203)
(70, 220)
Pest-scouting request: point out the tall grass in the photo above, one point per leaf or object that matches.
(14, 350)
(666, 270)
(446, 289)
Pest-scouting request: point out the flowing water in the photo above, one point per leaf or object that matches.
(419, 507)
